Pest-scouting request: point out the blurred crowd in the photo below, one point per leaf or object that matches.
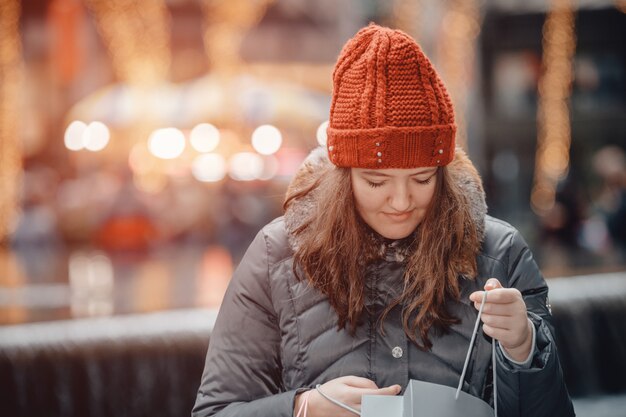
(587, 225)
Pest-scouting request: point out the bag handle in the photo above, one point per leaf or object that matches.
(493, 359)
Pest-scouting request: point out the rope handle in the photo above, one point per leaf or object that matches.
(493, 359)
(318, 387)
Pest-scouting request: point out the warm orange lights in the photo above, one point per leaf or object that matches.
(10, 79)
(456, 53)
(93, 137)
(137, 37)
(553, 119)
(266, 139)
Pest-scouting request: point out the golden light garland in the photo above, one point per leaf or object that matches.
(406, 16)
(10, 80)
(553, 121)
(227, 22)
(456, 52)
(137, 37)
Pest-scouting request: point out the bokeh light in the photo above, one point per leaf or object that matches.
(270, 168)
(553, 118)
(74, 135)
(151, 182)
(91, 283)
(167, 143)
(266, 139)
(210, 167)
(245, 166)
(204, 137)
(321, 133)
(140, 160)
(96, 136)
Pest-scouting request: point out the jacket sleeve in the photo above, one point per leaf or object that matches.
(540, 389)
(243, 374)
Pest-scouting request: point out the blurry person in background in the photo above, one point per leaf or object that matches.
(374, 275)
(610, 165)
(562, 229)
(562, 223)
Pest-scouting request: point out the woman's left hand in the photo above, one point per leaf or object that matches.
(505, 319)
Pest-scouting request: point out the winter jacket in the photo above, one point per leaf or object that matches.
(275, 335)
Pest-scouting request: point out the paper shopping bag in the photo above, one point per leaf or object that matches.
(425, 399)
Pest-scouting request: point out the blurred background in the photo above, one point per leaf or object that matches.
(144, 143)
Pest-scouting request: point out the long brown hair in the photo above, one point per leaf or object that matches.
(334, 246)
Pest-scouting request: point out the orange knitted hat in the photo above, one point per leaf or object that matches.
(389, 107)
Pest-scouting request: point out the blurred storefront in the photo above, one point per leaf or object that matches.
(554, 94)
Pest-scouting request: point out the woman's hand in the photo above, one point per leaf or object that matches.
(348, 390)
(505, 319)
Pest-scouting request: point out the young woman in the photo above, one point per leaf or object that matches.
(374, 275)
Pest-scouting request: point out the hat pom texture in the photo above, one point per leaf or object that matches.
(389, 107)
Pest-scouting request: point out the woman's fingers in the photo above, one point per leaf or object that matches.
(493, 332)
(492, 284)
(349, 390)
(499, 322)
(391, 390)
(496, 309)
(504, 314)
(358, 382)
(497, 296)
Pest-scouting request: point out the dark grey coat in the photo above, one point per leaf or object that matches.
(275, 334)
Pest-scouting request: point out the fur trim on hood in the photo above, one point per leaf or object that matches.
(461, 171)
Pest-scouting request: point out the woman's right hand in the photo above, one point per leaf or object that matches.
(348, 390)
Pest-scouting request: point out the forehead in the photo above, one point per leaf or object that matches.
(394, 172)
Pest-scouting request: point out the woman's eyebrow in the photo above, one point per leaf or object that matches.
(375, 173)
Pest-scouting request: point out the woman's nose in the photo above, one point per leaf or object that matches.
(400, 200)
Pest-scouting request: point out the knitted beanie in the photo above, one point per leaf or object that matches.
(389, 107)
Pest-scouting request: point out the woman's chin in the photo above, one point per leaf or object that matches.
(396, 232)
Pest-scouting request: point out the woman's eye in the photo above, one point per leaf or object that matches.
(375, 184)
(424, 182)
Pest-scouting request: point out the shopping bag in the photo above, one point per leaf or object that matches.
(425, 399)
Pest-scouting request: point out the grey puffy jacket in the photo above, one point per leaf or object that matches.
(275, 335)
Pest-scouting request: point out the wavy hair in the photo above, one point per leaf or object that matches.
(335, 246)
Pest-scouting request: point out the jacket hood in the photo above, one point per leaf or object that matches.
(461, 171)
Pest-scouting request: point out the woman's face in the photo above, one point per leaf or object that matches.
(393, 201)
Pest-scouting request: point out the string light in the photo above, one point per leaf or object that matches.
(73, 137)
(10, 80)
(266, 139)
(137, 37)
(456, 51)
(553, 122)
(245, 166)
(226, 24)
(96, 136)
(166, 143)
(321, 135)
(209, 167)
(204, 137)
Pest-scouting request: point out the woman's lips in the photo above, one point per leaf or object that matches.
(399, 217)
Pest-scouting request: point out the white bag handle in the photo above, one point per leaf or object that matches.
(493, 360)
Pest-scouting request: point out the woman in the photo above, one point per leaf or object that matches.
(374, 274)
